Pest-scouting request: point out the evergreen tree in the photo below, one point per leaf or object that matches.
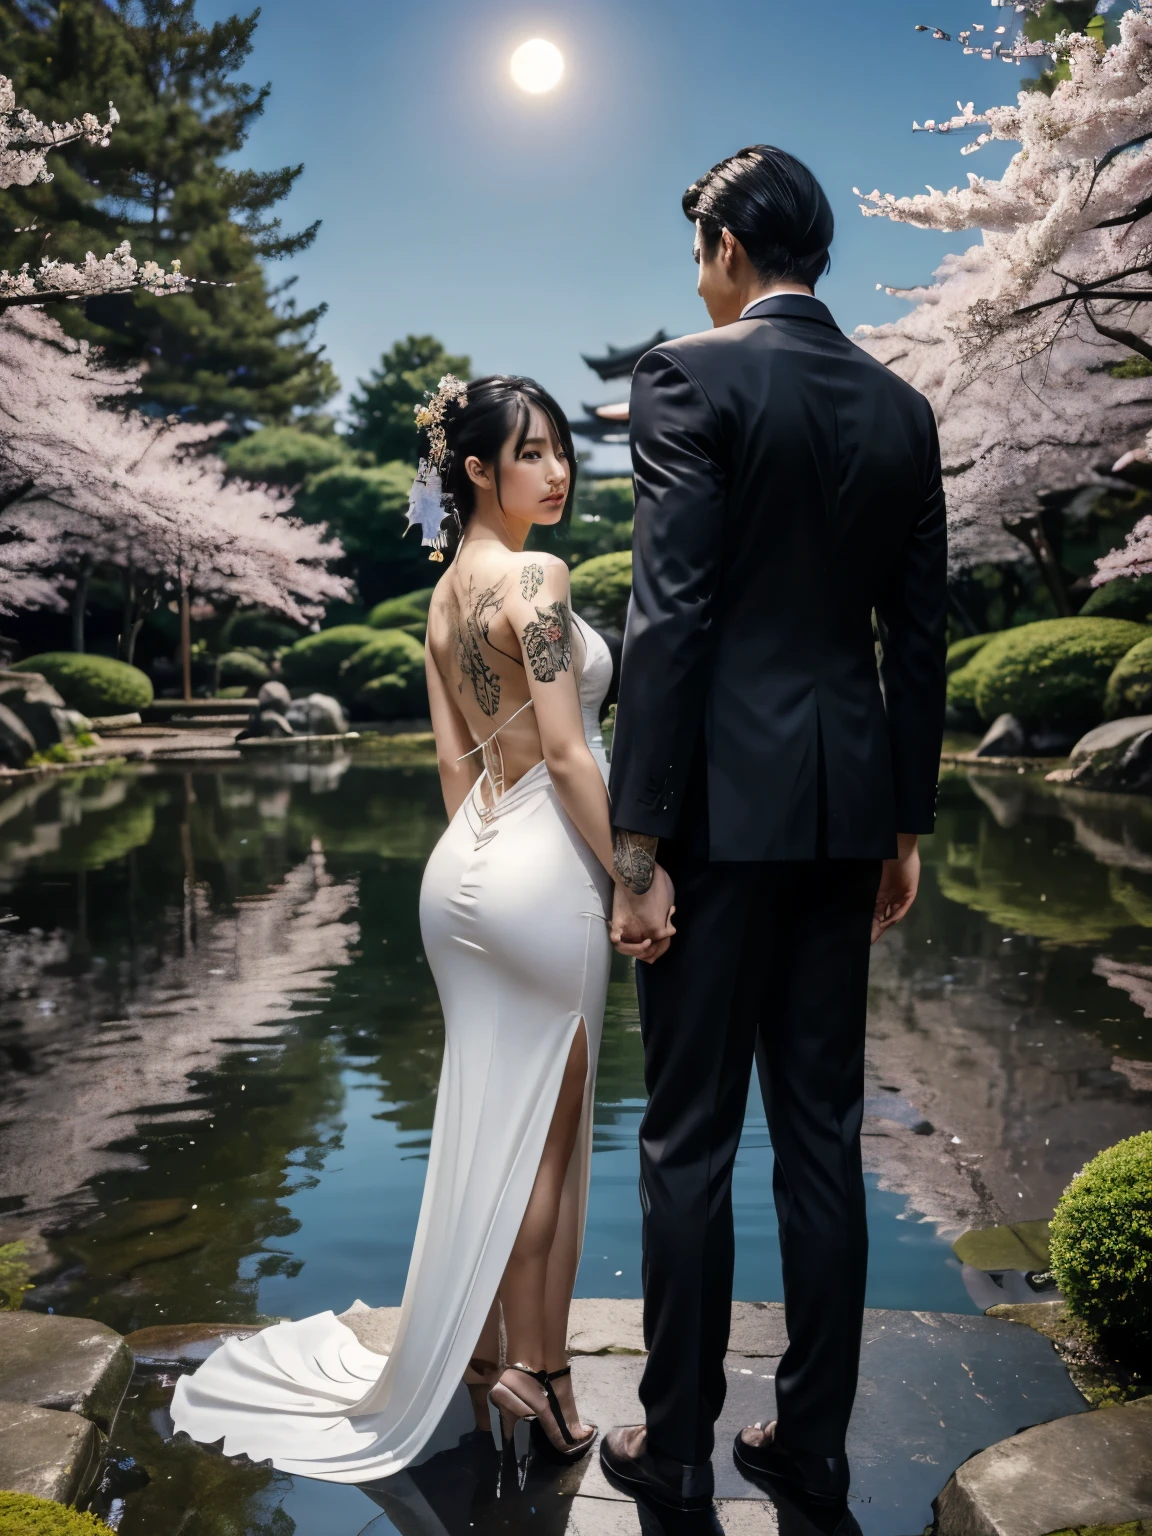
(382, 416)
(242, 352)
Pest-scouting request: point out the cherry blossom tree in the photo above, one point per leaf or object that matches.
(83, 485)
(25, 143)
(1025, 342)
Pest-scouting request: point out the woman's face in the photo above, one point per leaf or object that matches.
(534, 482)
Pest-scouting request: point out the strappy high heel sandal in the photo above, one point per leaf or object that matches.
(515, 1421)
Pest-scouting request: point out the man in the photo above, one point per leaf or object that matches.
(788, 498)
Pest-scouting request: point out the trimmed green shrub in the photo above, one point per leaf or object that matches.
(961, 697)
(1102, 1245)
(23, 1514)
(389, 651)
(95, 685)
(1129, 689)
(601, 588)
(402, 612)
(1125, 598)
(256, 627)
(393, 698)
(1054, 672)
(284, 455)
(961, 652)
(241, 667)
(315, 661)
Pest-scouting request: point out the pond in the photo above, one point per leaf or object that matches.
(220, 1043)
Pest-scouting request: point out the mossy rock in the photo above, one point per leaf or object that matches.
(1125, 598)
(391, 697)
(389, 651)
(95, 685)
(400, 612)
(315, 661)
(243, 669)
(1129, 1528)
(601, 588)
(1052, 673)
(22, 1514)
(1101, 1251)
(961, 652)
(1023, 1245)
(1129, 690)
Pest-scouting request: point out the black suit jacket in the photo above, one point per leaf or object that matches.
(787, 486)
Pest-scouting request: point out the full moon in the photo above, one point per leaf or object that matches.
(537, 66)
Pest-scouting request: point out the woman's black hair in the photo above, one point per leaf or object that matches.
(773, 205)
(499, 407)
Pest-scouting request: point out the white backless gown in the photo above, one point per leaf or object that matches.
(513, 911)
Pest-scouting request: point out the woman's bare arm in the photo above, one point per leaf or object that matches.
(458, 771)
(541, 618)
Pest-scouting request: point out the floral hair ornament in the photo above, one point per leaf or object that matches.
(426, 509)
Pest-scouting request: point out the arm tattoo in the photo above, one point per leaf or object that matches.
(531, 580)
(472, 628)
(548, 642)
(634, 858)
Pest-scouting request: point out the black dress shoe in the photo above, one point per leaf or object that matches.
(630, 1466)
(817, 1480)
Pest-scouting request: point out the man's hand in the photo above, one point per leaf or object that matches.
(899, 882)
(642, 923)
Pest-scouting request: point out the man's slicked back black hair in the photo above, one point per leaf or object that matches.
(773, 205)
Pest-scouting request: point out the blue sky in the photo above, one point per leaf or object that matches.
(525, 230)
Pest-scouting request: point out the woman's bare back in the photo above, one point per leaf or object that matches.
(480, 657)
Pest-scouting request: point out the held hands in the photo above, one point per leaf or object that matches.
(641, 925)
(899, 882)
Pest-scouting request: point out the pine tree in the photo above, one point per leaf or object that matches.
(241, 352)
(382, 415)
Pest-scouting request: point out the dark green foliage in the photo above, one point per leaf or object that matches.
(402, 612)
(243, 669)
(315, 661)
(166, 183)
(366, 509)
(386, 676)
(1130, 686)
(1102, 1245)
(601, 588)
(284, 456)
(1054, 672)
(95, 685)
(961, 652)
(254, 626)
(961, 699)
(23, 1514)
(600, 522)
(389, 651)
(383, 414)
(1123, 598)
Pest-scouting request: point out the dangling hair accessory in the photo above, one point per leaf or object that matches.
(426, 501)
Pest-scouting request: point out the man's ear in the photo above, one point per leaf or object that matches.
(729, 245)
(476, 472)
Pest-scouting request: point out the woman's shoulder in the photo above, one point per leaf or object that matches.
(533, 571)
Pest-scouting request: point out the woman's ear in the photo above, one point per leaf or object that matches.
(477, 473)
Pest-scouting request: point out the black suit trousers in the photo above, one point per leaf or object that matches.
(770, 962)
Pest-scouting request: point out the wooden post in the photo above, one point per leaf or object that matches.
(186, 639)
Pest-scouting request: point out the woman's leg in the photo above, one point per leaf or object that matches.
(535, 1311)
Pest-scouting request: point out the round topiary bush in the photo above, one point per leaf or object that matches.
(95, 685)
(243, 669)
(400, 612)
(315, 661)
(1125, 598)
(1101, 1253)
(961, 652)
(1052, 673)
(962, 699)
(390, 651)
(22, 1514)
(1129, 690)
(601, 588)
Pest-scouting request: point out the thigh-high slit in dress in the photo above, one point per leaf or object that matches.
(513, 913)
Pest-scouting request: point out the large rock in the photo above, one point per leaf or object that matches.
(17, 742)
(273, 695)
(45, 1452)
(317, 715)
(34, 701)
(63, 1362)
(1090, 1469)
(1005, 737)
(1117, 756)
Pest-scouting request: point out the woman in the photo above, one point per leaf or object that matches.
(513, 913)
